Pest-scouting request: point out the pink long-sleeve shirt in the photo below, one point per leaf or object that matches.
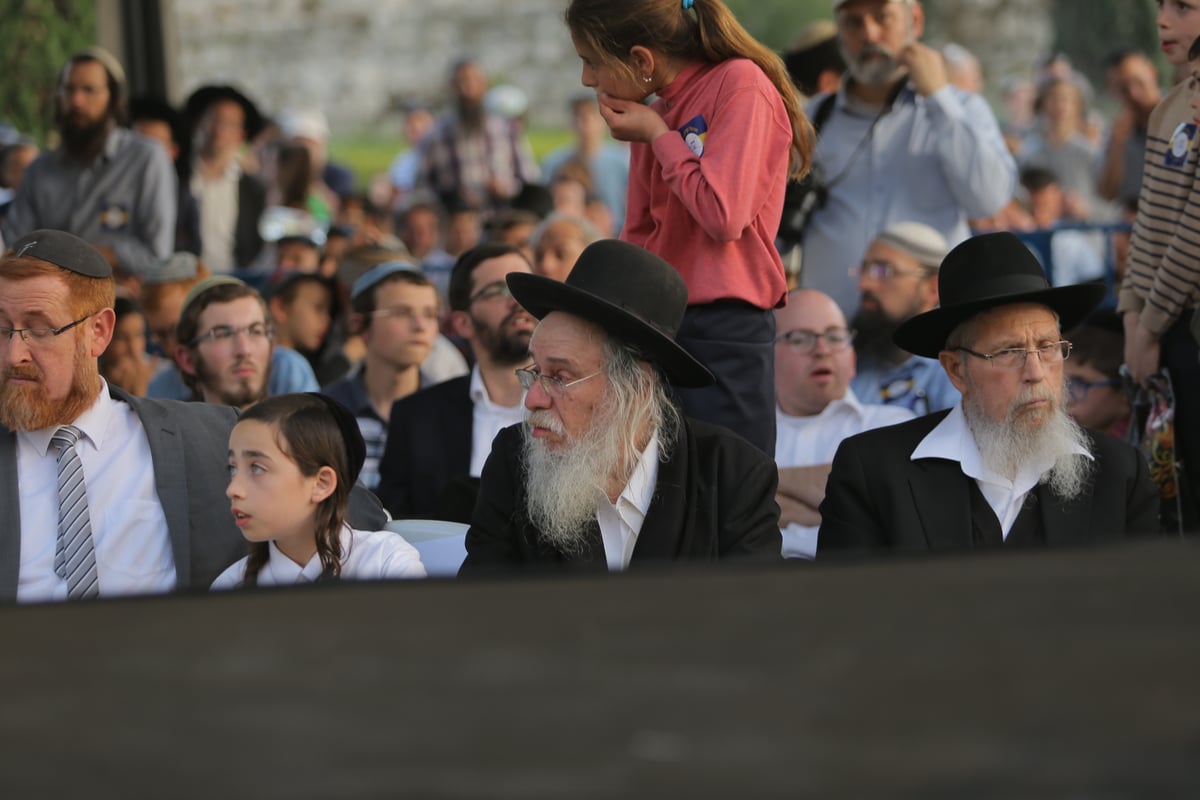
(707, 195)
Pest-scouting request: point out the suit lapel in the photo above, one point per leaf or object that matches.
(943, 505)
(663, 528)
(1063, 523)
(170, 478)
(10, 512)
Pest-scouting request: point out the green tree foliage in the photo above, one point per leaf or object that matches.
(1089, 30)
(39, 36)
(775, 23)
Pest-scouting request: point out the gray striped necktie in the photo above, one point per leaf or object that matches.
(74, 556)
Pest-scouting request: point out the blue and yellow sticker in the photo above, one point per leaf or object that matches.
(1180, 145)
(694, 132)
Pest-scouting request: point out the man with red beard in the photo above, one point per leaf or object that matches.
(225, 342)
(606, 473)
(101, 493)
(147, 532)
(439, 438)
(105, 184)
(1006, 467)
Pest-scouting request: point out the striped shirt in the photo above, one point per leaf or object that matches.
(484, 168)
(1163, 276)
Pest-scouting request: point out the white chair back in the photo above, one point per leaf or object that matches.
(442, 545)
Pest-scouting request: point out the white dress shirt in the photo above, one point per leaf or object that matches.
(218, 202)
(487, 421)
(809, 441)
(129, 528)
(366, 556)
(621, 522)
(952, 440)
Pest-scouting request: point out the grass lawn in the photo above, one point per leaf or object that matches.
(370, 153)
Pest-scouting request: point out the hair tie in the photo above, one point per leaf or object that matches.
(688, 4)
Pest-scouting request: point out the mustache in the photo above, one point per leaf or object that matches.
(544, 419)
(23, 373)
(874, 50)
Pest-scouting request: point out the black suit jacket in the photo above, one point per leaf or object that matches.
(426, 465)
(877, 498)
(252, 201)
(714, 499)
(189, 444)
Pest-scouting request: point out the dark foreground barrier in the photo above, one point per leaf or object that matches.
(1067, 675)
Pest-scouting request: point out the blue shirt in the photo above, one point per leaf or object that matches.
(609, 170)
(290, 372)
(919, 384)
(939, 160)
(124, 200)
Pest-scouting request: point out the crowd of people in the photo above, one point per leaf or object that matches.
(663, 342)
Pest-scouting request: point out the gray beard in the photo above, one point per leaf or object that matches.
(563, 486)
(1007, 446)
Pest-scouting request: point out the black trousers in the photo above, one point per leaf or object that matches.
(736, 341)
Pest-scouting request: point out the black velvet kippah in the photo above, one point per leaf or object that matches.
(64, 250)
(356, 447)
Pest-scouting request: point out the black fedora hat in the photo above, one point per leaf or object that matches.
(199, 101)
(985, 271)
(632, 294)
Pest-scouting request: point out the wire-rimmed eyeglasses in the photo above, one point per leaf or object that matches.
(39, 336)
(555, 387)
(805, 341)
(1049, 353)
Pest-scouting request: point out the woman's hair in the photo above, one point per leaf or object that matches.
(1194, 50)
(707, 32)
(295, 175)
(310, 434)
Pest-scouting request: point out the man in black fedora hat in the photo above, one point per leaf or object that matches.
(231, 201)
(1006, 466)
(605, 472)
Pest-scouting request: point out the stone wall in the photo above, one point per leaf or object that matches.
(357, 58)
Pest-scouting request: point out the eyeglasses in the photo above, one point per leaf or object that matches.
(555, 387)
(411, 314)
(225, 333)
(1077, 390)
(491, 291)
(802, 341)
(40, 336)
(1049, 353)
(880, 270)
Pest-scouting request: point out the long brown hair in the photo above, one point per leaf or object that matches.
(308, 433)
(709, 32)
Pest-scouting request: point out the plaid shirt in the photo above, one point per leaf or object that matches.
(456, 163)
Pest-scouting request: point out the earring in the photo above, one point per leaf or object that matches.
(647, 79)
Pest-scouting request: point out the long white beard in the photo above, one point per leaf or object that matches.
(563, 486)
(1021, 439)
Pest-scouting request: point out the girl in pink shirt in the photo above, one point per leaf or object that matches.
(709, 160)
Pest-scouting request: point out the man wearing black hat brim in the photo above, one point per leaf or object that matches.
(606, 473)
(153, 472)
(1006, 466)
(129, 214)
(231, 201)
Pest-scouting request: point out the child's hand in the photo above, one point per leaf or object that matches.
(630, 120)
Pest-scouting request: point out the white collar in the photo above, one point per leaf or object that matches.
(479, 393)
(284, 571)
(639, 492)
(952, 440)
(849, 402)
(92, 424)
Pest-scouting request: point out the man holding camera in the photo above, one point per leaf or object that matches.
(897, 143)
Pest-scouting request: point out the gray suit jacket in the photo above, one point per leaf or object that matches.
(189, 443)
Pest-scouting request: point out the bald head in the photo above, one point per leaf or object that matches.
(813, 358)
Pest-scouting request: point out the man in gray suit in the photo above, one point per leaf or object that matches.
(101, 493)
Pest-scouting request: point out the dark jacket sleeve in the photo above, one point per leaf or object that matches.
(1141, 495)
(750, 527)
(849, 516)
(492, 540)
